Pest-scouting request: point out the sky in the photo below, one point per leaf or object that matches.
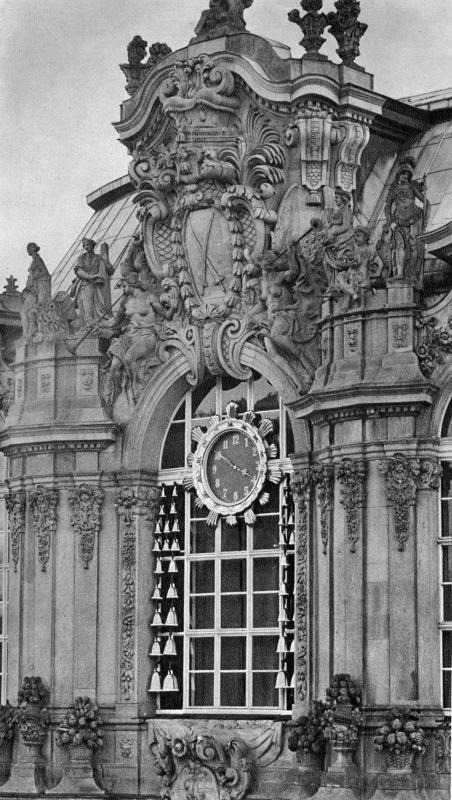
(61, 88)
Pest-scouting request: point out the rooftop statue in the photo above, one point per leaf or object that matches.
(91, 285)
(312, 25)
(399, 247)
(347, 31)
(223, 17)
(43, 318)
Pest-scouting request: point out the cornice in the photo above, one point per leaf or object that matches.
(29, 440)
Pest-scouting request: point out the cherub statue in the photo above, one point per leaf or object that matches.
(353, 279)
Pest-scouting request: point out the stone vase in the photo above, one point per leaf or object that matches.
(78, 779)
(399, 762)
(309, 762)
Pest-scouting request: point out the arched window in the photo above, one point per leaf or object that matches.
(223, 632)
(445, 546)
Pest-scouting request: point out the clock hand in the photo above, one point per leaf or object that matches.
(234, 466)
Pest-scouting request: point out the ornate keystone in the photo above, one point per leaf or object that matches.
(322, 480)
(85, 503)
(352, 476)
(312, 24)
(15, 506)
(43, 505)
(347, 31)
(401, 488)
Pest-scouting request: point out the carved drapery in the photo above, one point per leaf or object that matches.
(313, 131)
(322, 480)
(352, 477)
(85, 503)
(130, 503)
(301, 490)
(43, 505)
(15, 506)
(401, 475)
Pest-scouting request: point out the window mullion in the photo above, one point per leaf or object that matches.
(217, 617)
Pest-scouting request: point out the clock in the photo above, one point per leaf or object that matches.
(231, 465)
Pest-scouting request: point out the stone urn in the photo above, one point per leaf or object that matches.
(401, 761)
(307, 761)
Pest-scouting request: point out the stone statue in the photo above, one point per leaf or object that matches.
(136, 50)
(353, 279)
(91, 286)
(223, 17)
(399, 248)
(37, 291)
(339, 235)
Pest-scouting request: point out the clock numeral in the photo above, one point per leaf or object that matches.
(225, 494)
(246, 490)
(235, 439)
(217, 483)
(225, 444)
(236, 496)
(214, 469)
(247, 444)
(254, 451)
(217, 456)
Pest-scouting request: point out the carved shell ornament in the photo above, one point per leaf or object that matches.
(232, 465)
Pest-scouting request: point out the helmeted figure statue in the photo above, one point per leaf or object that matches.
(399, 248)
(91, 286)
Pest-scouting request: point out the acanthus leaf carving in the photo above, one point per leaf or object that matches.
(322, 479)
(434, 346)
(352, 475)
(131, 503)
(401, 473)
(15, 502)
(430, 474)
(43, 501)
(85, 505)
(301, 491)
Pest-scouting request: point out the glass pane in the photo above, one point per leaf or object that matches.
(174, 450)
(233, 537)
(264, 652)
(290, 440)
(447, 689)
(266, 574)
(202, 577)
(266, 533)
(266, 610)
(264, 692)
(447, 598)
(201, 654)
(233, 575)
(447, 563)
(237, 392)
(201, 690)
(2, 548)
(201, 613)
(232, 689)
(446, 480)
(447, 648)
(203, 399)
(1, 622)
(233, 611)
(202, 537)
(265, 397)
(233, 652)
(446, 508)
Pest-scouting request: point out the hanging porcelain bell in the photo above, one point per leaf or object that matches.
(175, 528)
(291, 520)
(171, 618)
(158, 529)
(157, 618)
(172, 569)
(283, 589)
(166, 529)
(156, 685)
(174, 492)
(172, 592)
(173, 509)
(292, 539)
(170, 646)
(292, 646)
(292, 682)
(283, 615)
(156, 648)
(158, 567)
(166, 546)
(170, 682)
(157, 593)
(281, 679)
(157, 546)
(175, 547)
(162, 510)
(282, 645)
(163, 493)
(283, 562)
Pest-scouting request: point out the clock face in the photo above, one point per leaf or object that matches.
(232, 467)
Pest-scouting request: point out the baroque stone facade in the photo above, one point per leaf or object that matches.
(224, 448)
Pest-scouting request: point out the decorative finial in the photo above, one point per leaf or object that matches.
(347, 31)
(157, 52)
(136, 50)
(312, 24)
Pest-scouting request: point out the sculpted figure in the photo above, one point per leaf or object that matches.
(339, 234)
(222, 16)
(37, 291)
(354, 278)
(399, 248)
(91, 286)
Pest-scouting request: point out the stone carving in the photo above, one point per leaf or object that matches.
(91, 285)
(353, 135)
(199, 765)
(312, 24)
(341, 253)
(306, 736)
(43, 318)
(222, 18)
(45, 382)
(15, 505)
(130, 504)
(301, 491)
(352, 477)
(400, 330)
(85, 503)
(434, 346)
(430, 474)
(43, 505)
(342, 712)
(322, 480)
(87, 378)
(33, 716)
(401, 475)
(443, 749)
(157, 52)
(136, 50)
(135, 71)
(399, 247)
(352, 268)
(314, 132)
(347, 31)
(126, 748)
(401, 738)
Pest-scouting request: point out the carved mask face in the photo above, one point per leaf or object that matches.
(87, 378)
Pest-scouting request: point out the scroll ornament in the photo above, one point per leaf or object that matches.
(352, 477)
(43, 504)
(401, 475)
(85, 503)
